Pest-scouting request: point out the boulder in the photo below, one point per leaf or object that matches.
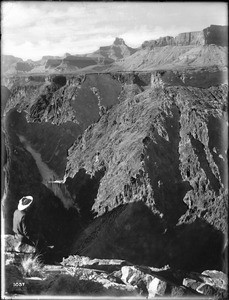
(154, 282)
(208, 290)
(157, 287)
(209, 283)
(107, 265)
(215, 278)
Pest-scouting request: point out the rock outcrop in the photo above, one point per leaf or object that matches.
(152, 282)
(52, 63)
(8, 61)
(206, 48)
(147, 123)
(116, 51)
(214, 34)
(156, 153)
(82, 276)
(217, 35)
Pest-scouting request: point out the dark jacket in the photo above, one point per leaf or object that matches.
(20, 226)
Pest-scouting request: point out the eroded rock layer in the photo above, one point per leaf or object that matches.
(155, 145)
(138, 159)
(42, 119)
(156, 148)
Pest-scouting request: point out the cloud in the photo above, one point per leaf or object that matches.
(146, 33)
(32, 29)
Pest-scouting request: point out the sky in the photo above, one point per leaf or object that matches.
(32, 29)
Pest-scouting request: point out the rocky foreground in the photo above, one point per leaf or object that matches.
(82, 276)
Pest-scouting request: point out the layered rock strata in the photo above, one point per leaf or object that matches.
(145, 156)
(214, 34)
(157, 155)
(205, 48)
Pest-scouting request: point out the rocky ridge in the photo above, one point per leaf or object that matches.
(214, 34)
(82, 276)
(181, 120)
(116, 51)
(156, 154)
(205, 48)
(174, 58)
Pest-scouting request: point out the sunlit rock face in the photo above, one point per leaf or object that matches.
(213, 34)
(156, 147)
(117, 50)
(156, 151)
(136, 159)
(187, 51)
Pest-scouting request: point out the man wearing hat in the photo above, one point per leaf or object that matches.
(24, 242)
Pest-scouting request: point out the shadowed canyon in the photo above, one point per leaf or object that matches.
(127, 157)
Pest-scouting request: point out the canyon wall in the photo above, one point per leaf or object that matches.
(156, 148)
(43, 117)
(121, 164)
(214, 34)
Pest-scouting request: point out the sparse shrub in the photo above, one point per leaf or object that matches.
(31, 265)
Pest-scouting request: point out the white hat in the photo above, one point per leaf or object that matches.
(24, 202)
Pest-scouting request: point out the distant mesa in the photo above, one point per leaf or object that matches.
(67, 54)
(52, 63)
(117, 50)
(119, 41)
(46, 57)
(24, 66)
(8, 61)
(215, 34)
(205, 48)
(79, 62)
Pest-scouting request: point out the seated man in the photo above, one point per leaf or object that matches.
(25, 241)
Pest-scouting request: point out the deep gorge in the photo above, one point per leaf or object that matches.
(137, 159)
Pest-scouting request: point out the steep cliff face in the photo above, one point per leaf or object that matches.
(156, 151)
(217, 35)
(149, 144)
(52, 63)
(43, 117)
(214, 34)
(202, 78)
(8, 61)
(206, 48)
(117, 50)
(136, 158)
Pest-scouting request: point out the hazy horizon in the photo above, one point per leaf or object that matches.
(31, 30)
